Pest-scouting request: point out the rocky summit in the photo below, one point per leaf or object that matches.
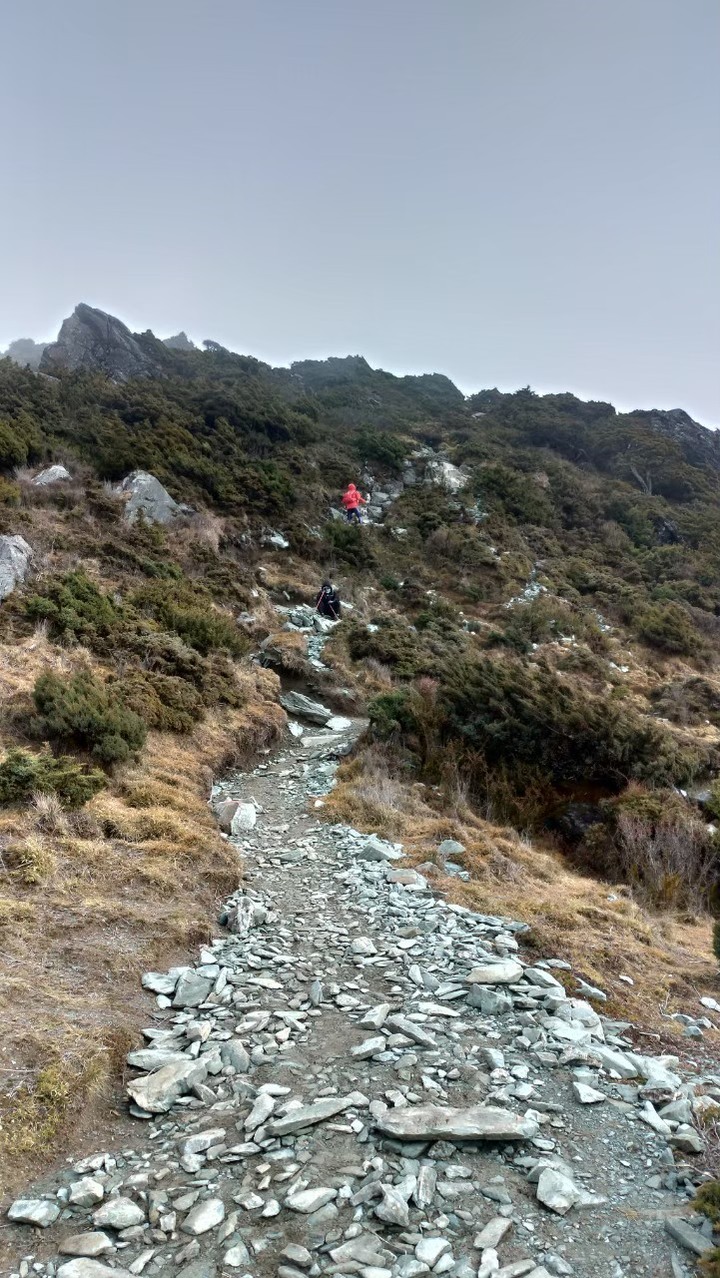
(91, 339)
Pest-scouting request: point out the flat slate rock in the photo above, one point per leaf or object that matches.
(432, 1122)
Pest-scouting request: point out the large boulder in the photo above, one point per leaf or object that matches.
(147, 496)
(297, 703)
(434, 1122)
(15, 556)
(94, 341)
(51, 475)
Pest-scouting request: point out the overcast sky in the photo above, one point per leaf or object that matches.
(507, 191)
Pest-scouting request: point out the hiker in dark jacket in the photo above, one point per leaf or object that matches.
(328, 601)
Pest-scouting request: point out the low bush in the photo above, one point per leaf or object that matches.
(391, 641)
(88, 714)
(668, 628)
(23, 774)
(689, 701)
(348, 543)
(163, 702)
(77, 610)
(654, 842)
(189, 612)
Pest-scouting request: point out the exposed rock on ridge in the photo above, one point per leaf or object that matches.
(92, 340)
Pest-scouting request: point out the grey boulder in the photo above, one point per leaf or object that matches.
(147, 497)
(15, 556)
(504, 972)
(432, 1122)
(82, 1268)
(51, 475)
(34, 1211)
(297, 703)
(157, 1093)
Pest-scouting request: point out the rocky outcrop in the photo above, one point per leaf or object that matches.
(700, 446)
(96, 342)
(51, 475)
(15, 556)
(179, 342)
(147, 497)
(26, 352)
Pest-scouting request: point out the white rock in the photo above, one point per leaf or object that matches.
(504, 972)
(245, 819)
(433, 1122)
(51, 475)
(588, 1095)
(158, 1092)
(556, 1191)
(82, 1268)
(119, 1213)
(429, 1250)
(15, 556)
(309, 1200)
(204, 1216)
(493, 1233)
(86, 1192)
(94, 1243)
(34, 1211)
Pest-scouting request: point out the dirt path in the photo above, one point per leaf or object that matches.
(352, 983)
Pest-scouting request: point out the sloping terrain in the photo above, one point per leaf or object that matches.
(535, 600)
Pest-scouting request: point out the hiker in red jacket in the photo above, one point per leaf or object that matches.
(352, 500)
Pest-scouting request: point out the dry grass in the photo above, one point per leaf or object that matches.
(89, 900)
(596, 926)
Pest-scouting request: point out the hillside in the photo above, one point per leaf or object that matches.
(535, 607)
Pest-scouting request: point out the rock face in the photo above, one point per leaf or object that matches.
(180, 342)
(51, 475)
(148, 497)
(15, 556)
(92, 340)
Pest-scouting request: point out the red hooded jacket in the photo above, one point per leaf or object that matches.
(351, 499)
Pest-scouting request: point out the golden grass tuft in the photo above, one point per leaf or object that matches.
(594, 925)
(132, 881)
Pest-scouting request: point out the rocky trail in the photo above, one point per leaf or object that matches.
(356, 1077)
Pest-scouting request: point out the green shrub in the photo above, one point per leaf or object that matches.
(349, 543)
(87, 714)
(78, 611)
(689, 701)
(189, 612)
(23, 774)
(13, 451)
(9, 493)
(384, 449)
(707, 1200)
(391, 712)
(390, 641)
(669, 628)
(163, 702)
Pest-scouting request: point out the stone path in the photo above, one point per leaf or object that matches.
(357, 1078)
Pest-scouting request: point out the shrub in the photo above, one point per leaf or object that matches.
(668, 627)
(13, 451)
(23, 774)
(688, 701)
(707, 1200)
(349, 543)
(163, 702)
(189, 612)
(9, 493)
(385, 449)
(656, 844)
(77, 610)
(518, 717)
(392, 642)
(88, 714)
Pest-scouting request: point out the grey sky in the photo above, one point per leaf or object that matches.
(508, 191)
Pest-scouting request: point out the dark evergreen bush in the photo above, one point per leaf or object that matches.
(23, 774)
(85, 713)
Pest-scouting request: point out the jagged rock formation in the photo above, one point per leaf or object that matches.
(179, 342)
(700, 445)
(26, 352)
(94, 341)
(15, 556)
(148, 497)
